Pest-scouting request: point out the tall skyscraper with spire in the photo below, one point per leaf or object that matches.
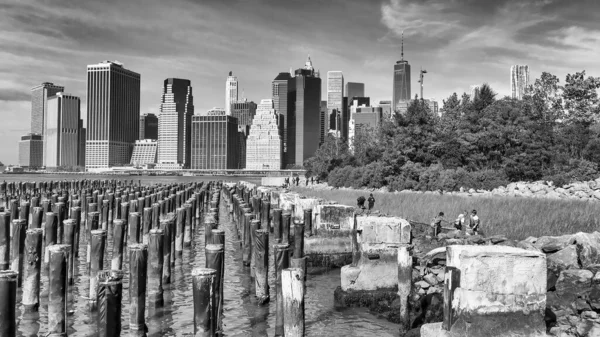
(231, 92)
(113, 114)
(519, 80)
(175, 123)
(401, 89)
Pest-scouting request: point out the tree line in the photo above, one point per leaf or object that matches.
(552, 134)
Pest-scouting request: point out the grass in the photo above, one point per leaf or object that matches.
(516, 218)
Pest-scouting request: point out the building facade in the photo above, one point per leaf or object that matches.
(215, 142)
(148, 127)
(280, 93)
(361, 118)
(323, 122)
(31, 149)
(354, 89)
(231, 92)
(519, 80)
(174, 124)
(335, 95)
(263, 146)
(82, 135)
(113, 112)
(144, 152)
(244, 111)
(61, 137)
(386, 107)
(304, 106)
(39, 99)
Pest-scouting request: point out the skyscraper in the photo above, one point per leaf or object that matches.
(475, 92)
(148, 127)
(401, 89)
(281, 93)
(113, 112)
(323, 122)
(231, 92)
(304, 105)
(244, 111)
(31, 148)
(263, 146)
(81, 155)
(519, 80)
(144, 152)
(335, 95)
(174, 124)
(214, 142)
(39, 98)
(354, 89)
(363, 117)
(61, 137)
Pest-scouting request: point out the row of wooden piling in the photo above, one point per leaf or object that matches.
(156, 223)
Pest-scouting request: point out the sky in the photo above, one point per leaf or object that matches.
(459, 42)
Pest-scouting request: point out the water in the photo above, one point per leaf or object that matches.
(242, 316)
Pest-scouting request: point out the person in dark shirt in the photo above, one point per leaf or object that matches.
(360, 202)
(436, 224)
(371, 202)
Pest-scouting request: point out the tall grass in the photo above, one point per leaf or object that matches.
(516, 218)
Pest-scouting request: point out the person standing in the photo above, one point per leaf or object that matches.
(371, 202)
(474, 225)
(360, 202)
(436, 224)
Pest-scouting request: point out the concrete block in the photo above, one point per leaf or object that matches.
(334, 218)
(434, 330)
(272, 181)
(370, 276)
(287, 201)
(302, 204)
(379, 231)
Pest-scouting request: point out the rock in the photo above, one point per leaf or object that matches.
(531, 239)
(596, 279)
(596, 194)
(422, 284)
(584, 328)
(582, 194)
(552, 243)
(454, 241)
(432, 310)
(588, 247)
(455, 234)
(594, 297)
(594, 268)
(589, 314)
(526, 245)
(442, 236)
(582, 305)
(508, 243)
(475, 239)
(472, 191)
(431, 279)
(495, 239)
(440, 278)
(560, 306)
(563, 259)
(553, 195)
(573, 283)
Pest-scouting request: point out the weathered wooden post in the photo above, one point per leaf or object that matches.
(118, 242)
(215, 259)
(138, 259)
(69, 239)
(204, 292)
(31, 282)
(155, 271)
(18, 248)
(98, 244)
(108, 297)
(247, 239)
(166, 228)
(218, 237)
(292, 280)
(60, 216)
(282, 255)
(308, 222)
(179, 229)
(76, 216)
(134, 228)
(57, 290)
(8, 293)
(261, 253)
(254, 226)
(4, 240)
(285, 232)
(404, 286)
(146, 224)
(50, 233)
(265, 217)
(189, 220)
(105, 212)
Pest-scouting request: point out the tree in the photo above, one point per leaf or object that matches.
(332, 153)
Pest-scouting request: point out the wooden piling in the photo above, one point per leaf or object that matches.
(8, 294)
(108, 297)
(4, 240)
(261, 253)
(146, 224)
(189, 219)
(404, 286)
(134, 228)
(69, 239)
(281, 252)
(254, 226)
(98, 244)
(155, 270)
(204, 291)
(247, 239)
(18, 248)
(50, 233)
(166, 228)
(57, 289)
(138, 260)
(285, 231)
(31, 281)
(179, 229)
(215, 259)
(292, 280)
(118, 242)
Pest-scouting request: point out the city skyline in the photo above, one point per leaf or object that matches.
(459, 43)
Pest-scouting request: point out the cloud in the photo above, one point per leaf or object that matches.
(12, 95)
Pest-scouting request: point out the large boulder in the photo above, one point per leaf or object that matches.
(551, 244)
(574, 283)
(588, 247)
(562, 260)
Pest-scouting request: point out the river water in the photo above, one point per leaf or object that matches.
(242, 315)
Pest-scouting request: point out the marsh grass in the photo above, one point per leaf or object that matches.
(516, 218)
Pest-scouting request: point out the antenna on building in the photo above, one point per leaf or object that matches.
(402, 48)
(421, 77)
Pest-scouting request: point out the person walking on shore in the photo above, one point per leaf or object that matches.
(371, 202)
(360, 202)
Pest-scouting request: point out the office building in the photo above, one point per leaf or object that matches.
(304, 106)
(31, 149)
(231, 92)
(519, 80)
(263, 146)
(148, 127)
(174, 124)
(39, 99)
(335, 95)
(144, 152)
(216, 112)
(244, 111)
(433, 106)
(113, 112)
(354, 89)
(243, 131)
(61, 137)
(401, 88)
(215, 144)
(402, 106)
(81, 153)
(362, 117)
(475, 92)
(323, 122)
(280, 93)
(386, 107)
